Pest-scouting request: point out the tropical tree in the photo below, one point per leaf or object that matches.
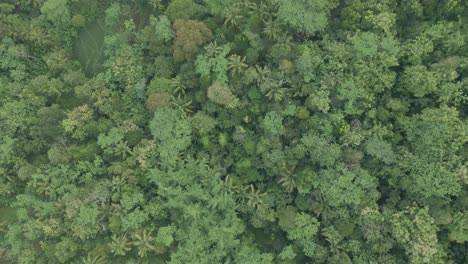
(119, 245)
(232, 15)
(236, 64)
(90, 259)
(271, 30)
(190, 36)
(183, 103)
(144, 242)
(178, 86)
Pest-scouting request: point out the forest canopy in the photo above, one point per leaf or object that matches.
(233, 131)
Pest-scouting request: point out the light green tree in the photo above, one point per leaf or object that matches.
(172, 132)
(76, 121)
(414, 228)
(119, 245)
(305, 16)
(144, 242)
(220, 94)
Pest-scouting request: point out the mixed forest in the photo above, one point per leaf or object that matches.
(233, 131)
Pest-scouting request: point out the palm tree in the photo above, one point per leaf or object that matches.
(90, 259)
(182, 103)
(253, 198)
(271, 30)
(333, 237)
(117, 183)
(277, 93)
(143, 242)
(274, 89)
(122, 149)
(289, 183)
(263, 74)
(212, 50)
(264, 10)
(236, 64)
(232, 15)
(119, 245)
(178, 86)
(246, 4)
(222, 200)
(285, 40)
(288, 180)
(228, 186)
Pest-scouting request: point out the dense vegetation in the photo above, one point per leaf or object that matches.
(233, 131)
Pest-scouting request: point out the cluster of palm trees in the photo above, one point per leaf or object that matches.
(143, 241)
(272, 85)
(265, 10)
(247, 195)
(121, 245)
(179, 98)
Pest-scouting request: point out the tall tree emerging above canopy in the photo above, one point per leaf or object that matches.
(190, 36)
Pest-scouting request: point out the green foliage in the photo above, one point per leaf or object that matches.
(126, 66)
(342, 186)
(56, 11)
(180, 9)
(419, 81)
(76, 121)
(6, 8)
(251, 255)
(89, 48)
(113, 13)
(415, 230)
(305, 16)
(233, 131)
(86, 224)
(287, 254)
(432, 179)
(65, 250)
(365, 44)
(90, 259)
(220, 94)
(144, 242)
(172, 131)
(7, 155)
(273, 123)
(158, 100)
(202, 122)
(213, 63)
(162, 28)
(304, 229)
(436, 136)
(381, 150)
(459, 230)
(119, 245)
(196, 189)
(320, 100)
(217, 7)
(190, 36)
(436, 133)
(236, 64)
(320, 150)
(308, 61)
(165, 235)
